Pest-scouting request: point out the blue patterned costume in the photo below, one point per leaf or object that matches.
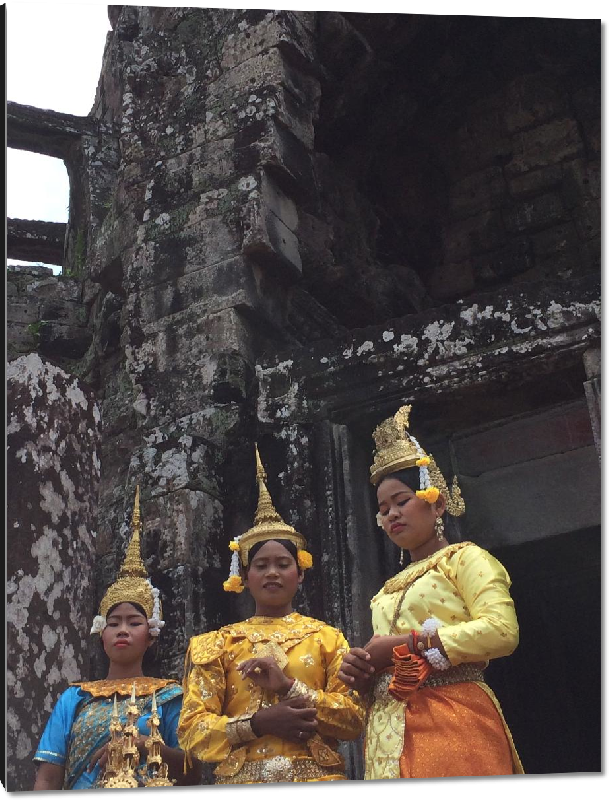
(80, 723)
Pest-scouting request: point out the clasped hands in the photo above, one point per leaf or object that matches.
(293, 719)
(361, 664)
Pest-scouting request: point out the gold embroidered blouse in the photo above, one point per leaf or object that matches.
(464, 587)
(215, 693)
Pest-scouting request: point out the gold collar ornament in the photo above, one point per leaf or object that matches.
(397, 449)
(268, 525)
(133, 584)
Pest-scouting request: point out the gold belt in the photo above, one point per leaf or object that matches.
(459, 674)
(281, 769)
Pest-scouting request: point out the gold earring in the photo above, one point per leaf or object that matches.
(439, 527)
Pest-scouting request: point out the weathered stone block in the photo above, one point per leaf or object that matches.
(193, 603)
(588, 220)
(270, 219)
(545, 145)
(247, 114)
(20, 339)
(170, 460)
(451, 281)
(264, 69)
(558, 239)
(587, 102)
(24, 313)
(593, 136)
(535, 182)
(548, 491)
(533, 99)
(473, 235)
(260, 31)
(59, 288)
(233, 283)
(534, 214)
(515, 258)
(523, 439)
(288, 160)
(177, 528)
(479, 192)
(60, 342)
(581, 183)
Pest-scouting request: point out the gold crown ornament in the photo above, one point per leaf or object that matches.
(268, 524)
(133, 584)
(397, 449)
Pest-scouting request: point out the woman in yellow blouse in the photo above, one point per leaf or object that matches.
(262, 698)
(436, 626)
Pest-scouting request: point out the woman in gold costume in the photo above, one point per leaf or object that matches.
(262, 698)
(73, 749)
(436, 626)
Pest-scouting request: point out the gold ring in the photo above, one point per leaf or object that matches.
(257, 670)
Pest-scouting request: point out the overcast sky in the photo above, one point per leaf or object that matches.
(54, 53)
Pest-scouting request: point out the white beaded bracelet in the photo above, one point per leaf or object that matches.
(430, 626)
(436, 659)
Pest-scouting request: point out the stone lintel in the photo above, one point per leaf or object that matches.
(518, 331)
(43, 131)
(35, 240)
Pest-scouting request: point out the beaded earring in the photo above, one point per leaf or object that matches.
(439, 527)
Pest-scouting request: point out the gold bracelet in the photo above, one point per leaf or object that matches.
(239, 729)
(300, 689)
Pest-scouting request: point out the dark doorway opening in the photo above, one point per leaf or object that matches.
(550, 687)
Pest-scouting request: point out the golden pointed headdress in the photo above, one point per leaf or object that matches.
(397, 449)
(133, 584)
(268, 524)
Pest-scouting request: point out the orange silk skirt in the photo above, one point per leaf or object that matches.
(454, 730)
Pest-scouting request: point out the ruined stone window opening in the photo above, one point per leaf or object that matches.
(36, 240)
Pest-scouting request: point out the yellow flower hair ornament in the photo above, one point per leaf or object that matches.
(430, 494)
(234, 582)
(305, 559)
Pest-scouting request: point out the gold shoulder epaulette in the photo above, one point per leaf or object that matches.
(206, 647)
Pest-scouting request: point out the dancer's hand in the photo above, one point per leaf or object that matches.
(100, 756)
(265, 672)
(380, 649)
(294, 719)
(357, 671)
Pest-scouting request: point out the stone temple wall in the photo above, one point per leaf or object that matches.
(285, 224)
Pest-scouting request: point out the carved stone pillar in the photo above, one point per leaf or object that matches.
(592, 388)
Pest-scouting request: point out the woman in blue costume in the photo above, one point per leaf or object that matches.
(73, 749)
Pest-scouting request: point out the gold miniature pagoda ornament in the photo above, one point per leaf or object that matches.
(123, 769)
(158, 771)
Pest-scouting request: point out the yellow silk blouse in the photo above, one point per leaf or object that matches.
(215, 693)
(466, 589)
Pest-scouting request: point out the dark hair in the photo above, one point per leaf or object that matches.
(137, 606)
(289, 546)
(411, 478)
